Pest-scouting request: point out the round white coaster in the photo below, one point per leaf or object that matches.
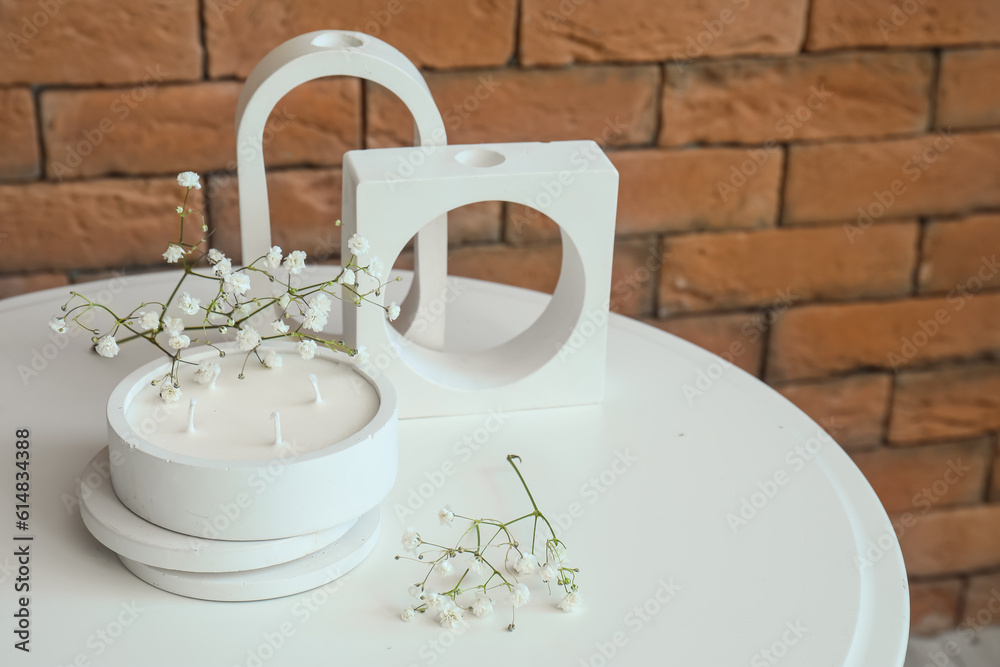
(131, 536)
(277, 581)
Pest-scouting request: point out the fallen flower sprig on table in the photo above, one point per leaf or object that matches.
(488, 552)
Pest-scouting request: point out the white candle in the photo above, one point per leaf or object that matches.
(234, 416)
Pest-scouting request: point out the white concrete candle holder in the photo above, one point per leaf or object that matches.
(229, 480)
(347, 53)
(560, 359)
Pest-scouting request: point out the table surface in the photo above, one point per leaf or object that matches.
(645, 487)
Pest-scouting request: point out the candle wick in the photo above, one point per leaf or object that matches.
(277, 428)
(191, 415)
(315, 384)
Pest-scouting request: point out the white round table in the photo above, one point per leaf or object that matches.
(724, 528)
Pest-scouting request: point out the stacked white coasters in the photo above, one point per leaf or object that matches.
(273, 520)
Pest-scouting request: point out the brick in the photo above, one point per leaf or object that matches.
(31, 282)
(835, 24)
(612, 105)
(70, 42)
(950, 541)
(934, 606)
(916, 479)
(305, 202)
(524, 224)
(969, 89)
(930, 176)
(537, 268)
(814, 341)
(18, 135)
(755, 101)
(953, 402)
(97, 224)
(682, 190)
(731, 337)
(956, 255)
(853, 409)
(431, 33)
(982, 601)
(557, 32)
(176, 128)
(784, 266)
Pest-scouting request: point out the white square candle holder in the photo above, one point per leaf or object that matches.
(560, 359)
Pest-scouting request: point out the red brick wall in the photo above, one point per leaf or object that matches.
(840, 156)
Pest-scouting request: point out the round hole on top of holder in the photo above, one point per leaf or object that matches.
(480, 157)
(334, 39)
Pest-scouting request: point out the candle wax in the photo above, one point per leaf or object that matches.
(232, 421)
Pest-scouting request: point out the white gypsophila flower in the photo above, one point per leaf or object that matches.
(58, 325)
(207, 371)
(407, 614)
(215, 256)
(518, 595)
(273, 258)
(279, 327)
(437, 602)
(107, 346)
(188, 304)
(348, 278)
(572, 602)
(358, 245)
(189, 179)
(314, 320)
(445, 515)
(527, 564)
(284, 300)
(272, 359)
(173, 324)
(307, 349)
(223, 330)
(295, 262)
(247, 339)
(179, 341)
(410, 539)
(557, 552)
(362, 354)
(320, 302)
(179, 209)
(393, 311)
(476, 565)
(482, 605)
(375, 268)
(417, 591)
(174, 252)
(237, 283)
(169, 393)
(451, 617)
(223, 267)
(149, 321)
(242, 310)
(549, 572)
(444, 568)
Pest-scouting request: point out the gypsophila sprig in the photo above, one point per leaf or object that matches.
(229, 307)
(488, 564)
